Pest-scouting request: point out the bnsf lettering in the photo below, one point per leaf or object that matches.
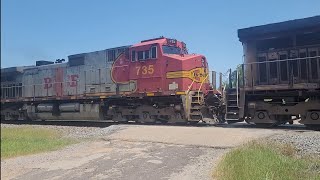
(47, 83)
(73, 80)
(199, 75)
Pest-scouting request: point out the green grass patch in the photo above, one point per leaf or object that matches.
(266, 161)
(27, 140)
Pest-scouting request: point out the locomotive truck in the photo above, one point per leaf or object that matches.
(280, 78)
(155, 80)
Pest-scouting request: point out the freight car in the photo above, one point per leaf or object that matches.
(154, 80)
(280, 78)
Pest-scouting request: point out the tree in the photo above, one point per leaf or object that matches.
(233, 78)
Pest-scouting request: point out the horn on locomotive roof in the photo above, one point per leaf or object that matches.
(161, 37)
(60, 60)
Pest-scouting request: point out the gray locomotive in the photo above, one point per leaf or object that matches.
(280, 78)
(32, 92)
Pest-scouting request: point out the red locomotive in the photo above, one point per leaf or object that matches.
(154, 80)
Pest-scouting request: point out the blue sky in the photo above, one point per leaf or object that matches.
(50, 29)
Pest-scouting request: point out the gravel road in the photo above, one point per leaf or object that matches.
(143, 152)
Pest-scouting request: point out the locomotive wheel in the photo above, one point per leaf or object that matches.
(161, 120)
(146, 118)
(119, 118)
(178, 116)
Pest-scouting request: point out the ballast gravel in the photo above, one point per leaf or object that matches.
(76, 132)
(305, 142)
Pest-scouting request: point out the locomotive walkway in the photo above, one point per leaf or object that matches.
(135, 152)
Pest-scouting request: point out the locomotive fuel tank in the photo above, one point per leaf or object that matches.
(66, 111)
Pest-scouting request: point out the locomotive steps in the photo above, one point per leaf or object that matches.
(232, 109)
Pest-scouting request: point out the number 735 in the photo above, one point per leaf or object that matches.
(145, 70)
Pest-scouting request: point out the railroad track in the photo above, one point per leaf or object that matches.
(109, 123)
(62, 123)
(94, 123)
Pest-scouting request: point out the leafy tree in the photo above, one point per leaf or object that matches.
(233, 78)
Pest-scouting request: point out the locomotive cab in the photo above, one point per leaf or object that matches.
(172, 85)
(161, 66)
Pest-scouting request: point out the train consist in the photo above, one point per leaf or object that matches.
(157, 80)
(280, 78)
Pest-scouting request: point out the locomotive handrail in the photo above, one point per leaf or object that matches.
(201, 87)
(309, 73)
(290, 48)
(237, 86)
(187, 93)
(313, 57)
(41, 84)
(190, 87)
(119, 66)
(18, 90)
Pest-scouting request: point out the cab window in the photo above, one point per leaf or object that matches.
(147, 54)
(140, 55)
(133, 56)
(171, 49)
(154, 52)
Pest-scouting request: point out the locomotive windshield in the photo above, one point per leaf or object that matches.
(171, 50)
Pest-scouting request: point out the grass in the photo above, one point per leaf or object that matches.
(27, 140)
(266, 161)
